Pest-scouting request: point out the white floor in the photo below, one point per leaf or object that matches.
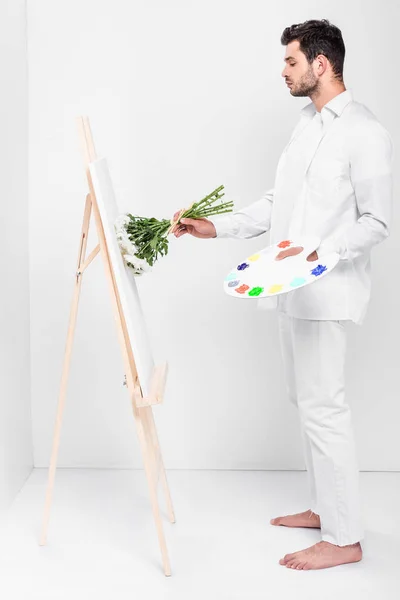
(102, 541)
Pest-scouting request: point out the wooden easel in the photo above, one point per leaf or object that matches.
(142, 406)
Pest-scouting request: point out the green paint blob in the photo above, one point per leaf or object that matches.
(256, 291)
(297, 281)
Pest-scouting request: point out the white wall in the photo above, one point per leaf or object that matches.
(185, 96)
(15, 423)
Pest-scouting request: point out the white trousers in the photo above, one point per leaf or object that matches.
(314, 357)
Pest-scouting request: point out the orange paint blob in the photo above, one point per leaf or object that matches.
(242, 289)
(284, 244)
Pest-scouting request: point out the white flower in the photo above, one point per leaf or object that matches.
(125, 243)
(121, 221)
(133, 259)
(145, 266)
(139, 265)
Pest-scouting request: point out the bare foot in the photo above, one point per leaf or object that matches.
(304, 519)
(322, 556)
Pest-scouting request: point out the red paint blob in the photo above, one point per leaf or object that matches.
(284, 244)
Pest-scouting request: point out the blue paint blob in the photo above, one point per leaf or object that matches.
(230, 276)
(297, 281)
(233, 283)
(243, 266)
(318, 270)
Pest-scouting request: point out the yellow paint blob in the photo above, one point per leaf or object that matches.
(254, 257)
(275, 289)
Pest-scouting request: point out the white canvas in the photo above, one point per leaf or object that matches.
(124, 277)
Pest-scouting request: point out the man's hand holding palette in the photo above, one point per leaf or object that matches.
(279, 269)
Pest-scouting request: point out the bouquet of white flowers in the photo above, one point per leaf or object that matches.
(141, 239)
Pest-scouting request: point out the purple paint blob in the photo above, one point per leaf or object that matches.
(233, 283)
(243, 266)
(318, 270)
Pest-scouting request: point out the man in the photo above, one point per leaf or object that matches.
(333, 181)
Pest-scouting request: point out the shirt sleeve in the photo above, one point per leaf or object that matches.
(371, 160)
(251, 221)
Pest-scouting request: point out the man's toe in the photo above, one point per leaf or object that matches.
(287, 558)
(292, 562)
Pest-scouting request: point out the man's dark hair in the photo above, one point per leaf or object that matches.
(318, 37)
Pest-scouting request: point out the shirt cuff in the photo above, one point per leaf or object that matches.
(225, 225)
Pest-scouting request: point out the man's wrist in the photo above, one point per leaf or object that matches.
(224, 225)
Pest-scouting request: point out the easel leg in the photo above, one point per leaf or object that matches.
(154, 437)
(143, 440)
(64, 378)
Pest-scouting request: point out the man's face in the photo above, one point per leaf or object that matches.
(298, 73)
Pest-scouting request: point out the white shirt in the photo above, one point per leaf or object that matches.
(334, 181)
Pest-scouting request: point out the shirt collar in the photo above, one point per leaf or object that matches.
(336, 105)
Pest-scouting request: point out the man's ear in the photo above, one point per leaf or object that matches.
(322, 64)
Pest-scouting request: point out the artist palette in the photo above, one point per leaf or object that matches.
(261, 275)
